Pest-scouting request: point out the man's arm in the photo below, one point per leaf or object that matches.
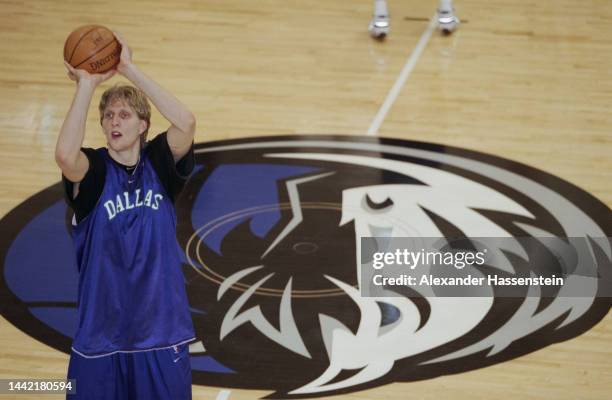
(68, 155)
(182, 129)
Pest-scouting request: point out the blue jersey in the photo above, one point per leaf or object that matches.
(131, 293)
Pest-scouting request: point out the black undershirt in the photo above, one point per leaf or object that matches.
(172, 175)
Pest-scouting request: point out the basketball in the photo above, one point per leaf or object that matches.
(93, 48)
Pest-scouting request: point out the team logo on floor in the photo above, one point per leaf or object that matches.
(271, 228)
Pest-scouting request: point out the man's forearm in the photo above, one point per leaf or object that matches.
(72, 132)
(168, 105)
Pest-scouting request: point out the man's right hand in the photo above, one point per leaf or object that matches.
(80, 75)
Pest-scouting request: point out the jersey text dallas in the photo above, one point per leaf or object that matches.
(123, 203)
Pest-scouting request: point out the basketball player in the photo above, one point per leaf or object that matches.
(380, 23)
(134, 320)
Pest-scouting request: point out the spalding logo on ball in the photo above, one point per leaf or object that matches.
(93, 48)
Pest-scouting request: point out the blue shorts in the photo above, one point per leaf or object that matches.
(155, 374)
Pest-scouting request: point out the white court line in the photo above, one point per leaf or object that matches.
(223, 395)
(403, 76)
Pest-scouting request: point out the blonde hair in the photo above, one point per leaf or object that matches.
(134, 97)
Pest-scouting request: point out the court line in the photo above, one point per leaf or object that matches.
(223, 394)
(403, 76)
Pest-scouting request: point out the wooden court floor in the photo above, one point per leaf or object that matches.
(524, 80)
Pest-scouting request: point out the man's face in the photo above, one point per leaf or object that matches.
(121, 126)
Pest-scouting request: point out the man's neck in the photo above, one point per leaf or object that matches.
(127, 157)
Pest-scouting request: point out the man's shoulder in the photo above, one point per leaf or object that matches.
(98, 152)
(97, 157)
(156, 143)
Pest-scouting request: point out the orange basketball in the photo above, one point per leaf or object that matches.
(93, 48)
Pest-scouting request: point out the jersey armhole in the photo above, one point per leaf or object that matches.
(90, 188)
(171, 174)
